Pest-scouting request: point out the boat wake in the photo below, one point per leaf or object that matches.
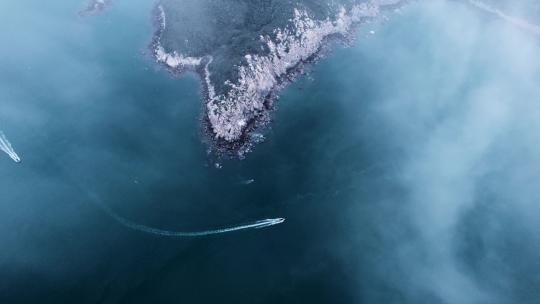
(518, 22)
(5, 146)
(170, 233)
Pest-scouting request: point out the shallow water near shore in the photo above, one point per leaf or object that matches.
(353, 148)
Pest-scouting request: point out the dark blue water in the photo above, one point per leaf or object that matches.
(383, 161)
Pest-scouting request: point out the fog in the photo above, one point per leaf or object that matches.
(464, 112)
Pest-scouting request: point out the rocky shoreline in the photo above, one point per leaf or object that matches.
(231, 120)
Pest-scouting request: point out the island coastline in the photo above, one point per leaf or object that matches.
(226, 138)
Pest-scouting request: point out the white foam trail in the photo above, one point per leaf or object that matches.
(520, 23)
(247, 181)
(5, 146)
(169, 233)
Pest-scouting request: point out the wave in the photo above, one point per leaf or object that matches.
(173, 60)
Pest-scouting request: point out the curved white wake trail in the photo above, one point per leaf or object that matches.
(169, 233)
(520, 23)
(5, 146)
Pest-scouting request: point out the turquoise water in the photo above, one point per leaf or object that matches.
(395, 163)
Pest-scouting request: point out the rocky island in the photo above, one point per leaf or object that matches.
(247, 52)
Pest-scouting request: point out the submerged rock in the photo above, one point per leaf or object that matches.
(95, 7)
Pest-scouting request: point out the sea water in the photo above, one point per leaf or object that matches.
(354, 147)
